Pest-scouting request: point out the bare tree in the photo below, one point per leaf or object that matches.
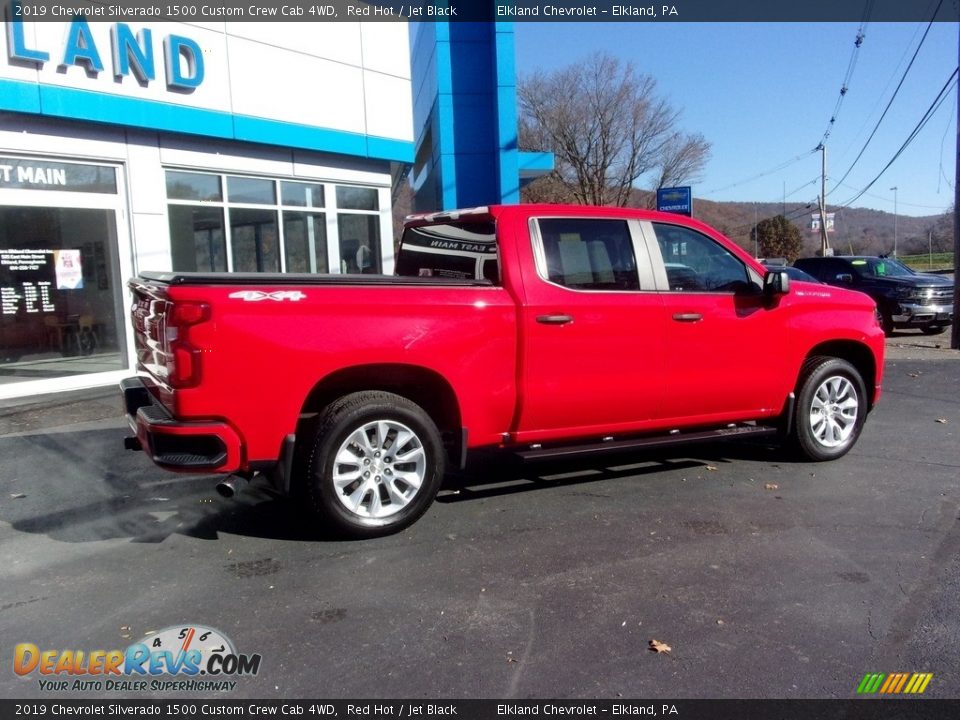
(607, 129)
(681, 160)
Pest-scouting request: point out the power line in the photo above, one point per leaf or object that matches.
(851, 66)
(791, 215)
(943, 175)
(883, 93)
(931, 111)
(781, 166)
(894, 96)
(900, 202)
(801, 187)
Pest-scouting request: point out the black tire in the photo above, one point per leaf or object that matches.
(886, 322)
(825, 389)
(933, 329)
(383, 502)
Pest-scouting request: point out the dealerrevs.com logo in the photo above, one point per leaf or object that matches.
(179, 658)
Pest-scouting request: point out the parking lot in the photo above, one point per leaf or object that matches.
(766, 577)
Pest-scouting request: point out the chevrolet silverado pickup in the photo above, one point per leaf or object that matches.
(541, 330)
(905, 298)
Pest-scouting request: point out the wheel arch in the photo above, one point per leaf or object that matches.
(855, 353)
(418, 384)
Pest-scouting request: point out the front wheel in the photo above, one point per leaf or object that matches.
(376, 464)
(933, 329)
(831, 408)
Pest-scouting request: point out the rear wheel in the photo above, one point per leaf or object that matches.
(375, 465)
(933, 329)
(830, 410)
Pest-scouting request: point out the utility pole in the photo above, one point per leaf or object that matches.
(894, 188)
(955, 332)
(756, 235)
(824, 242)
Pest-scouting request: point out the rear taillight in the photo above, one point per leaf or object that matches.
(183, 358)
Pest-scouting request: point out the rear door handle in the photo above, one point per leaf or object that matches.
(688, 317)
(554, 319)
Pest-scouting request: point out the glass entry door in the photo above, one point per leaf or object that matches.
(62, 266)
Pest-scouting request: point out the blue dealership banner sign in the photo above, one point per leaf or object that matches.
(677, 200)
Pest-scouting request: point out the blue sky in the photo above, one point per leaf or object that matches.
(763, 94)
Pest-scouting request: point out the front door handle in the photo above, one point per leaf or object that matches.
(554, 319)
(688, 317)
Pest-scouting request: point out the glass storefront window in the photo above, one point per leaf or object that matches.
(256, 246)
(251, 190)
(193, 186)
(62, 312)
(301, 194)
(357, 198)
(287, 231)
(359, 243)
(305, 237)
(197, 241)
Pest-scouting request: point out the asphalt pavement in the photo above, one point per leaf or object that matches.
(766, 577)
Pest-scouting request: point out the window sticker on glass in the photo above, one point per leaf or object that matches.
(461, 251)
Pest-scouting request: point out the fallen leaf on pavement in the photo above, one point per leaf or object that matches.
(711, 467)
(659, 647)
(17, 496)
(771, 486)
(942, 421)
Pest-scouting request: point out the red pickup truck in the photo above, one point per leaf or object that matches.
(542, 330)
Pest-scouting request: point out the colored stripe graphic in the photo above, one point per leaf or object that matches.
(894, 684)
(870, 683)
(918, 683)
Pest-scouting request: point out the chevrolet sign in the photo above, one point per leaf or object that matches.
(676, 200)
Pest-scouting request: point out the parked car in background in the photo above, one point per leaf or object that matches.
(793, 273)
(904, 297)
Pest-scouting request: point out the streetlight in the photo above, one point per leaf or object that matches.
(894, 188)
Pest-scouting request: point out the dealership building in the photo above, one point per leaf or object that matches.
(224, 146)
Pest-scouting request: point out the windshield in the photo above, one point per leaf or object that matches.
(881, 267)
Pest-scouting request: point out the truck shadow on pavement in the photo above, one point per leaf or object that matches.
(497, 474)
(78, 487)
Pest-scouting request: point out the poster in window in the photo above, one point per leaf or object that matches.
(69, 269)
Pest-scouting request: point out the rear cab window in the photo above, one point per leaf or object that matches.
(452, 250)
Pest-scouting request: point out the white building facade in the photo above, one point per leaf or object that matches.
(207, 146)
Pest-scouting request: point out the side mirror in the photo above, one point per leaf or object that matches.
(845, 278)
(776, 282)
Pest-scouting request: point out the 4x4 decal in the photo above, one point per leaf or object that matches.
(258, 295)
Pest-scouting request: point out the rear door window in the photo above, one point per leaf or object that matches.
(589, 254)
(456, 250)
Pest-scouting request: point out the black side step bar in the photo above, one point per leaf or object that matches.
(675, 438)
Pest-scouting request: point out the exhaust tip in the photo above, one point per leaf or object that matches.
(231, 486)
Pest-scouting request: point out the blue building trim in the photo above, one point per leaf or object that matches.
(465, 115)
(19, 96)
(61, 102)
